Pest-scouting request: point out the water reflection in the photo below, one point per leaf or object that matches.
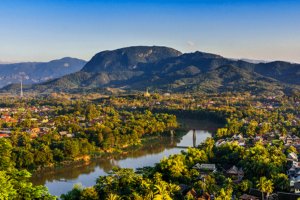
(61, 180)
(149, 149)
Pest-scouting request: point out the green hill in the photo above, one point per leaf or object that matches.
(166, 69)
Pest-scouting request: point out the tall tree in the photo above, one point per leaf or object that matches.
(265, 186)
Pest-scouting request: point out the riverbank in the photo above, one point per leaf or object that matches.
(153, 149)
(184, 125)
(108, 153)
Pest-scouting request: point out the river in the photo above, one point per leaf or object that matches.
(62, 180)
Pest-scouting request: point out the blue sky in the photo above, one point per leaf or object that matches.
(41, 30)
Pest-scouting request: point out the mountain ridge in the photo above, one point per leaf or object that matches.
(128, 58)
(37, 72)
(166, 69)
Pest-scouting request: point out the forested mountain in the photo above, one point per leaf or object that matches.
(37, 72)
(128, 59)
(166, 69)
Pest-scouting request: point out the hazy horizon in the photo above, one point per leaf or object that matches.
(46, 30)
(58, 58)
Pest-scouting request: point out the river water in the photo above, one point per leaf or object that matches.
(62, 180)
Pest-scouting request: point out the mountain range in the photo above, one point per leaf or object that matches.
(38, 72)
(166, 69)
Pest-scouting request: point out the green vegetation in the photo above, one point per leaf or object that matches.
(259, 134)
(15, 183)
(253, 139)
(167, 69)
(77, 131)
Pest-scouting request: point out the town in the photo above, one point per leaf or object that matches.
(258, 144)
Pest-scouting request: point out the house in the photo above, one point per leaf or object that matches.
(205, 167)
(288, 140)
(258, 138)
(292, 172)
(282, 137)
(34, 132)
(242, 142)
(293, 156)
(8, 118)
(248, 197)
(296, 164)
(238, 137)
(45, 129)
(69, 135)
(63, 133)
(4, 135)
(295, 183)
(235, 173)
(5, 131)
(81, 118)
(297, 187)
(296, 139)
(220, 142)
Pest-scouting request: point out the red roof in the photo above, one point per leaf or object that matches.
(2, 135)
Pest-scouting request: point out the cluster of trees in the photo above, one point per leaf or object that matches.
(28, 153)
(94, 129)
(251, 122)
(115, 125)
(256, 161)
(126, 184)
(263, 166)
(166, 180)
(15, 184)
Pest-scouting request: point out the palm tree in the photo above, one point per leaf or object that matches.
(113, 196)
(265, 186)
(149, 196)
(161, 191)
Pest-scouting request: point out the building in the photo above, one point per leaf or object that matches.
(248, 197)
(4, 135)
(235, 173)
(205, 167)
(293, 156)
(147, 94)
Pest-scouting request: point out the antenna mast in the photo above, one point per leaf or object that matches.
(21, 93)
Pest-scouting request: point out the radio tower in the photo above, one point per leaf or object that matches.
(22, 77)
(21, 93)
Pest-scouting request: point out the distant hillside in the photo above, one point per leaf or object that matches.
(166, 69)
(128, 59)
(37, 72)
